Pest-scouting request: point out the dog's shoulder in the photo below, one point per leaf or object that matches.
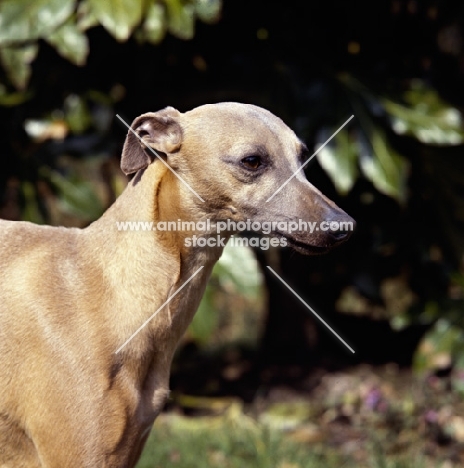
(18, 237)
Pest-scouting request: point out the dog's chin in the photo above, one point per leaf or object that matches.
(303, 248)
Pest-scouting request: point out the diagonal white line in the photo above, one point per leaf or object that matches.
(167, 302)
(160, 158)
(303, 165)
(313, 311)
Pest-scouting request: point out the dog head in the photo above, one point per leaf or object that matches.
(239, 159)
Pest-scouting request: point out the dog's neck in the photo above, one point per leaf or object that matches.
(159, 262)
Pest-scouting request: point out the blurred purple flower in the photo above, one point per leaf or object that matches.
(431, 416)
(373, 398)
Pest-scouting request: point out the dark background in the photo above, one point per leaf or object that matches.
(312, 63)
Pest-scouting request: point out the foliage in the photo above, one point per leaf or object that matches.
(442, 348)
(402, 146)
(63, 24)
(70, 189)
(364, 147)
(237, 280)
(378, 418)
(233, 441)
(372, 147)
(424, 115)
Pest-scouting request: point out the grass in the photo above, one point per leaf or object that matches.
(199, 442)
(366, 418)
(234, 440)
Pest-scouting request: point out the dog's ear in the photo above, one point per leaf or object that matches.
(159, 130)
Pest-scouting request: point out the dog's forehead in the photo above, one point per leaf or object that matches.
(247, 120)
(238, 113)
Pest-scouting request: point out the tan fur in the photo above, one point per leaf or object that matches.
(71, 297)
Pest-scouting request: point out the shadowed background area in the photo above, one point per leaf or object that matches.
(254, 358)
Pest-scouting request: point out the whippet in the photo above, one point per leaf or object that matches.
(70, 298)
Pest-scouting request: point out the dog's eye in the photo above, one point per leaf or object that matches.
(252, 162)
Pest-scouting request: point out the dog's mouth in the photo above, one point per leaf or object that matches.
(303, 248)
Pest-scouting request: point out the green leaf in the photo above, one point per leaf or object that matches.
(77, 197)
(340, 160)
(17, 62)
(206, 319)
(154, 27)
(181, 19)
(77, 114)
(8, 99)
(238, 271)
(86, 18)
(118, 17)
(383, 166)
(31, 210)
(426, 116)
(286, 415)
(24, 20)
(439, 347)
(457, 376)
(208, 10)
(70, 43)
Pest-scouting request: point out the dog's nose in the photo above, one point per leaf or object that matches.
(339, 235)
(341, 228)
